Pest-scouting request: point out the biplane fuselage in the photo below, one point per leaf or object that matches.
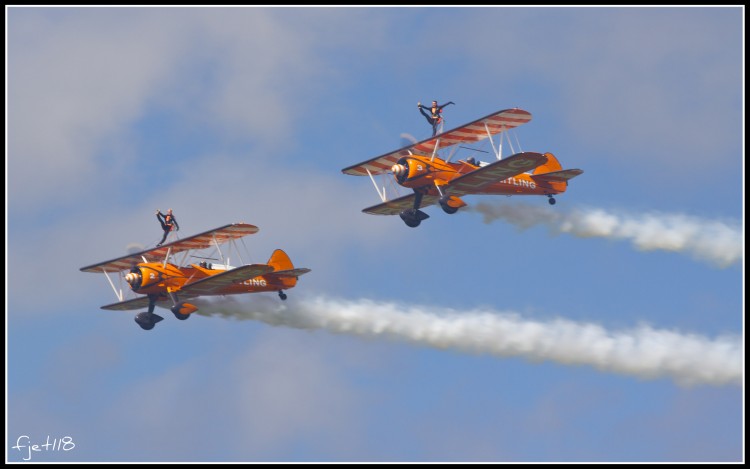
(164, 283)
(423, 173)
(435, 180)
(154, 278)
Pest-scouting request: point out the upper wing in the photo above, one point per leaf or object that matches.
(475, 131)
(395, 206)
(379, 164)
(471, 132)
(472, 182)
(200, 241)
(211, 285)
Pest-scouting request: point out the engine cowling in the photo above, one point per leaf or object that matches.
(407, 168)
(134, 278)
(144, 276)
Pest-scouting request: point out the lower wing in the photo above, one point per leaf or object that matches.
(473, 182)
(135, 303)
(396, 206)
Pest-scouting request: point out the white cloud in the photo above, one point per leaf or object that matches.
(660, 85)
(80, 84)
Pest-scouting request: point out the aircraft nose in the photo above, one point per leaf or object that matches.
(132, 278)
(399, 169)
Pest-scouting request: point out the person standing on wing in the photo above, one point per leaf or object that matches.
(434, 118)
(168, 223)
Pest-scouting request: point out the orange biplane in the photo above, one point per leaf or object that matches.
(168, 285)
(437, 180)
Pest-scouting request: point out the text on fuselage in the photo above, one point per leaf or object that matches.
(519, 182)
(255, 282)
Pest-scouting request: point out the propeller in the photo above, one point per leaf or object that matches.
(407, 139)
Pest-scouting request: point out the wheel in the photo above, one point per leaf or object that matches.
(412, 222)
(410, 218)
(282, 295)
(147, 320)
(447, 208)
(413, 217)
(552, 201)
(180, 316)
(176, 311)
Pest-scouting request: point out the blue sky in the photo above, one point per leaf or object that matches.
(249, 114)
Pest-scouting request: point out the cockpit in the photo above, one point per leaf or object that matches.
(476, 162)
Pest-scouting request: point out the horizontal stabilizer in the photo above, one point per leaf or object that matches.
(289, 273)
(557, 176)
(214, 283)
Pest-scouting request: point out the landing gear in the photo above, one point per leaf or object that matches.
(447, 208)
(551, 200)
(181, 310)
(282, 295)
(176, 311)
(147, 319)
(413, 216)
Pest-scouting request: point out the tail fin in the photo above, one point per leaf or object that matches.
(284, 275)
(550, 175)
(279, 260)
(551, 165)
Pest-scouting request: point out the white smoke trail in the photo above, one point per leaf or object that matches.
(717, 242)
(643, 352)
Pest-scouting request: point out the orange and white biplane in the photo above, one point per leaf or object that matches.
(167, 282)
(437, 180)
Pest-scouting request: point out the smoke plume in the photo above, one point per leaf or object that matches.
(643, 352)
(717, 242)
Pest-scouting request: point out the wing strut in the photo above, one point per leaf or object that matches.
(434, 150)
(382, 196)
(512, 150)
(453, 152)
(520, 150)
(440, 191)
(117, 294)
(166, 258)
(233, 243)
(498, 151)
(221, 254)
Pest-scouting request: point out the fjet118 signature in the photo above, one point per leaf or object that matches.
(24, 445)
(436, 180)
(167, 283)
